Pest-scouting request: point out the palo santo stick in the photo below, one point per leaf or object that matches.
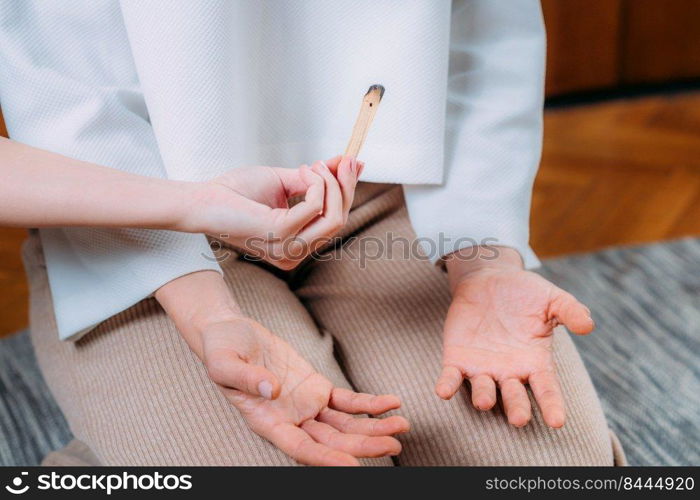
(370, 103)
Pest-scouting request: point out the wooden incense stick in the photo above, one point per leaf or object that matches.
(370, 103)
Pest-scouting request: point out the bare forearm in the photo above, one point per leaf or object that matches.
(43, 189)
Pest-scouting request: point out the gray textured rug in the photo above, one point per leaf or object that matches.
(643, 358)
(31, 424)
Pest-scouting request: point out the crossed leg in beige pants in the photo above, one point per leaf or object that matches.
(134, 394)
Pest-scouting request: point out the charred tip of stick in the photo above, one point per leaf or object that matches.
(376, 88)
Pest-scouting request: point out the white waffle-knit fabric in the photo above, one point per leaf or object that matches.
(187, 90)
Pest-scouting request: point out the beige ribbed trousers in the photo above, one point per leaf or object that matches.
(134, 394)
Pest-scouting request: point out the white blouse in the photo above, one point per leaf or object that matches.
(187, 90)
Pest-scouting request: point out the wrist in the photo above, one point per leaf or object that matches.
(466, 262)
(195, 302)
(190, 201)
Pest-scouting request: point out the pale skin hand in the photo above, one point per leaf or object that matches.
(300, 410)
(498, 334)
(280, 395)
(248, 207)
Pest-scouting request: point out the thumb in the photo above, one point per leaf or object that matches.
(231, 371)
(571, 313)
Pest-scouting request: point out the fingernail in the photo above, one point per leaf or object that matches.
(362, 168)
(265, 389)
(353, 166)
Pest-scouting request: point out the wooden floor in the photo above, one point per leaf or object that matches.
(13, 285)
(612, 173)
(618, 172)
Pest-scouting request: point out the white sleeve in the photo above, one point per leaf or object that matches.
(70, 88)
(493, 131)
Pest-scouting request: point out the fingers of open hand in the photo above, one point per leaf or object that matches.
(298, 444)
(360, 425)
(229, 370)
(357, 445)
(483, 392)
(516, 402)
(336, 428)
(449, 382)
(545, 386)
(571, 313)
(353, 402)
(335, 437)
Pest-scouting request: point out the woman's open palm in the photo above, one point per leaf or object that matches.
(286, 401)
(498, 332)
